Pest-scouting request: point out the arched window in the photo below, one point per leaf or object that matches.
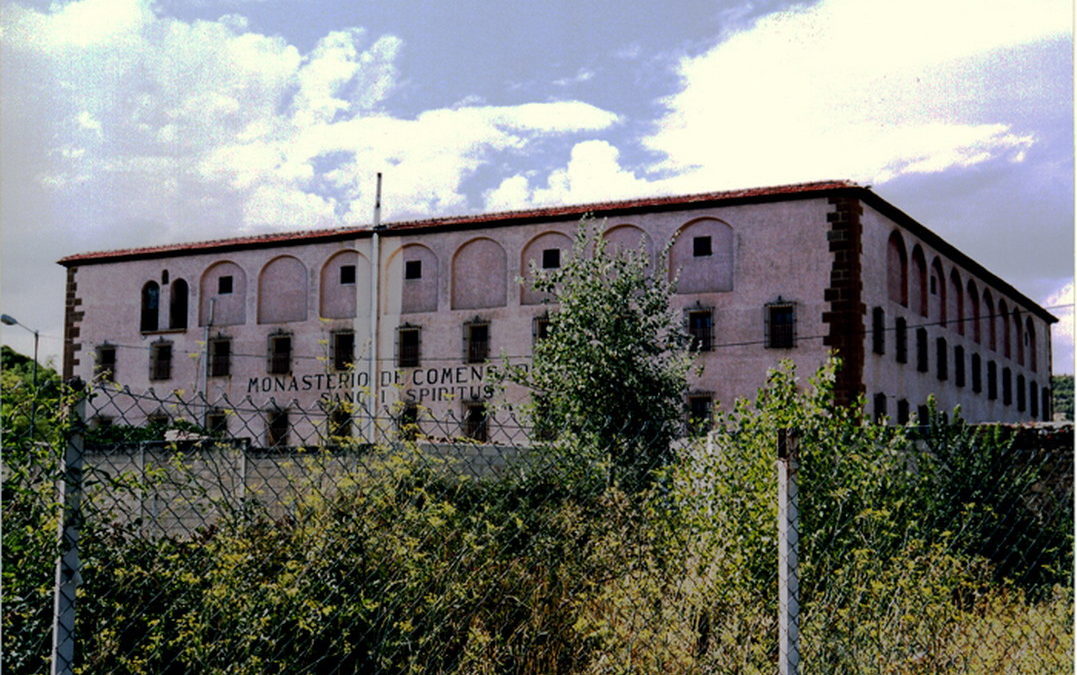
(177, 305)
(918, 281)
(956, 308)
(974, 311)
(151, 305)
(897, 270)
(702, 257)
(282, 291)
(479, 275)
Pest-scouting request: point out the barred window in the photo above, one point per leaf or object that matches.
(540, 328)
(105, 363)
(700, 412)
(343, 347)
(476, 341)
(901, 341)
(280, 354)
(277, 428)
(407, 421)
(780, 328)
(921, 350)
(220, 357)
(476, 421)
(161, 361)
(701, 329)
(339, 421)
(408, 342)
(878, 330)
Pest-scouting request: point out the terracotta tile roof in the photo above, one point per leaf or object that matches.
(504, 217)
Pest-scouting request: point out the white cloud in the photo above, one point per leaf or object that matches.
(847, 88)
(1060, 303)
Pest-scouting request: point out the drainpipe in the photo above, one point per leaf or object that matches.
(375, 298)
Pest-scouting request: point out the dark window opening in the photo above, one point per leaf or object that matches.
(407, 346)
(880, 408)
(1020, 393)
(934, 285)
(101, 422)
(277, 427)
(901, 341)
(922, 416)
(977, 380)
(280, 354)
(941, 353)
(551, 258)
(878, 330)
(1007, 387)
(1033, 400)
(407, 421)
(992, 381)
(177, 305)
(921, 350)
(780, 326)
(339, 421)
(151, 302)
(220, 357)
(540, 328)
(159, 419)
(343, 344)
(164, 277)
(1045, 404)
(413, 269)
(701, 330)
(700, 418)
(903, 412)
(476, 342)
(347, 275)
(105, 363)
(959, 366)
(217, 422)
(476, 421)
(161, 361)
(701, 247)
(224, 284)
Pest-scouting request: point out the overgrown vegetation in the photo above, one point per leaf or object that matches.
(1062, 393)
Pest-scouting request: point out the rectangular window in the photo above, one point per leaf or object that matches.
(901, 341)
(922, 416)
(701, 329)
(343, 346)
(903, 412)
(941, 354)
(224, 284)
(1007, 387)
(220, 357)
(277, 428)
(105, 363)
(217, 422)
(347, 275)
(880, 408)
(701, 247)
(413, 269)
(476, 341)
(280, 354)
(921, 350)
(878, 330)
(540, 328)
(992, 381)
(1020, 393)
(780, 326)
(407, 422)
(959, 366)
(339, 422)
(408, 342)
(1033, 400)
(977, 379)
(161, 361)
(700, 407)
(475, 421)
(551, 258)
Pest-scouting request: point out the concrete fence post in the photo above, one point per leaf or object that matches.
(788, 555)
(67, 563)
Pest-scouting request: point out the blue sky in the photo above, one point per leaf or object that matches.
(129, 123)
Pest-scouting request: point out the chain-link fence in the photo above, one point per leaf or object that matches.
(329, 540)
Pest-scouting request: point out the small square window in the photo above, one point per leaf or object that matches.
(701, 247)
(224, 285)
(217, 422)
(551, 258)
(343, 350)
(347, 275)
(413, 269)
(408, 346)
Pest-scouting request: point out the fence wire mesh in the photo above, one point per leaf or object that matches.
(396, 543)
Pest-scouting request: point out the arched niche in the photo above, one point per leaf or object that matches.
(344, 281)
(974, 312)
(1018, 337)
(938, 292)
(1002, 320)
(702, 257)
(628, 238)
(545, 251)
(282, 291)
(897, 270)
(955, 308)
(415, 267)
(479, 275)
(918, 281)
(988, 318)
(223, 295)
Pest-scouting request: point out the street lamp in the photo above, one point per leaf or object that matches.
(9, 320)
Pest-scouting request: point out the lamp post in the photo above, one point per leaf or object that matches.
(9, 320)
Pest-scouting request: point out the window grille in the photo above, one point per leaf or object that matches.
(878, 330)
(161, 361)
(105, 363)
(408, 342)
(220, 357)
(343, 346)
(780, 325)
(921, 350)
(540, 328)
(476, 341)
(280, 354)
(701, 329)
(901, 341)
(339, 422)
(475, 421)
(277, 427)
(413, 269)
(407, 421)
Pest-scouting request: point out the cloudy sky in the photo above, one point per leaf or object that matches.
(131, 122)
